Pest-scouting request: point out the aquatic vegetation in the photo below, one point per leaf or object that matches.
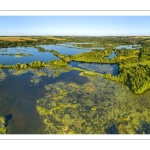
(128, 61)
(96, 107)
(17, 71)
(88, 45)
(2, 75)
(102, 68)
(35, 79)
(2, 125)
(3, 50)
(123, 57)
(41, 49)
(49, 71)
(41, 73)
(91, 108)
(16, 55)
(135, 75)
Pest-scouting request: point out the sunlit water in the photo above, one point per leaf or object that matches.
(101, 106)
(36, 55)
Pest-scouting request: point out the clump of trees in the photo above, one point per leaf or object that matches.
(35, 64)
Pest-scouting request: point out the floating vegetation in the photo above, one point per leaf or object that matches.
(97, 107)
(17, 71)
(135, 76)
(16, 55)
(35, 79)
(49, 71)
(40, 73)
(2, 125)
(2, 75)
(102, 68)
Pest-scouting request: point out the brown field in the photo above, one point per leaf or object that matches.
(55, 38)
(12, 39)
(143, 37)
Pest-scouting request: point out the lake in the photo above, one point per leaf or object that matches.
(60, 101)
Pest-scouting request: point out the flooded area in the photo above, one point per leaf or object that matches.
(60, 101)
(101, 68)
(129, 46)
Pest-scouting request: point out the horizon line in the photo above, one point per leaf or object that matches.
(72, 35)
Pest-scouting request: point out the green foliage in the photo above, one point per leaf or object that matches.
(2, 125)
(36, 64)
(135, 76)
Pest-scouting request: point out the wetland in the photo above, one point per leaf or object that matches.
(74, 85)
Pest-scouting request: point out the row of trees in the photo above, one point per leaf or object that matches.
(35, 64)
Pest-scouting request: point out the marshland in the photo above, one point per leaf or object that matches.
(75, 84)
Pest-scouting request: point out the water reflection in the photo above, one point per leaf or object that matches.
(6, 59)
(101, 68)
(8, 118)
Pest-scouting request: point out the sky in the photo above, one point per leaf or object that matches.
(75, 25)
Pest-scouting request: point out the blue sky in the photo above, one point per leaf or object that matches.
(75, 25)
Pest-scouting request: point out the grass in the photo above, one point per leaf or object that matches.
(144, 63)
(126, 57)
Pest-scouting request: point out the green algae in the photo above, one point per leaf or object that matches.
(16, 55)
(54, 69)
(97, 68)
(92, 108)
(35, 79)
(2, 125)
(2, 75)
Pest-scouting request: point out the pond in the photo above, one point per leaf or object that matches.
(55, 100)
(112, 55)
